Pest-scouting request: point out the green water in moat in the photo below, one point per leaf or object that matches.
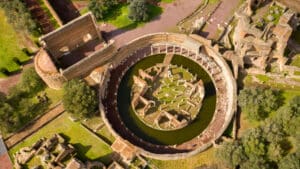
(166, 137)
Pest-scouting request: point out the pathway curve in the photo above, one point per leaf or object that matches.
(172, 14)
(34, 126)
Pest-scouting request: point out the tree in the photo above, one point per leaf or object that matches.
(257, 103)
(273, 131)
(256, 162)
(79, 99)
(31, 83)
(101, 7)
(254, 143)
(232, 153)
(138, 10)
(289, 116)
(19, 16)
(291, 161)
(9, 118)
(97, 8)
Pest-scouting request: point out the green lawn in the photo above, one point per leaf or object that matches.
(88, 146)
(205, 158)
(213, 1)
(167, 1)
(296, 61)
(10, 50)
(53, 95)
(276, 16)
(263, 78)
(118, 16)
(94, 123)
(289, 94)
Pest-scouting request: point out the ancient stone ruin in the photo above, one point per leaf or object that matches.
(52, 153)
(164, 98)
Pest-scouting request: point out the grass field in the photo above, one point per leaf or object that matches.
(167, 1)
(103, 132)
(296, 61)
(10, 50)
(205, 158)
(87, 145)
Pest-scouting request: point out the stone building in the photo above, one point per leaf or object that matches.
(73, 50)
(259, 48)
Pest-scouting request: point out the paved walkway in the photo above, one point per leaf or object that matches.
(172, 14)
(36, 125)
(222, 14)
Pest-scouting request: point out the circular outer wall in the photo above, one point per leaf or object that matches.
(192, 47)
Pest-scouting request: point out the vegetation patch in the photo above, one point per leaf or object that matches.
(119, 16)
(296, 61)
(124, 15)
(274, 14)
(22, 104)
(11, 55)
(80, 99)
(258, 103)
(272, 144)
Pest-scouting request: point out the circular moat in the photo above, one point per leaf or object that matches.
(150, 132)
(169, 95)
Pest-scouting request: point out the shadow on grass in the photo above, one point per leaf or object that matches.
(106, 159)
(67, 138)
(82, 150)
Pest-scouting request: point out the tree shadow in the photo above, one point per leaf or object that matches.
(81, 150)
(106, 159)
(67, 138)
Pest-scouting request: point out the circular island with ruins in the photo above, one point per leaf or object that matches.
(170, 95)
(166, 96)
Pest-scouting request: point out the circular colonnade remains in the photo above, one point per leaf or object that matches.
(126, 85)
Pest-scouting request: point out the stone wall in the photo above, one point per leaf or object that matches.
(50, 76)
(89, 63)
(71, 35)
